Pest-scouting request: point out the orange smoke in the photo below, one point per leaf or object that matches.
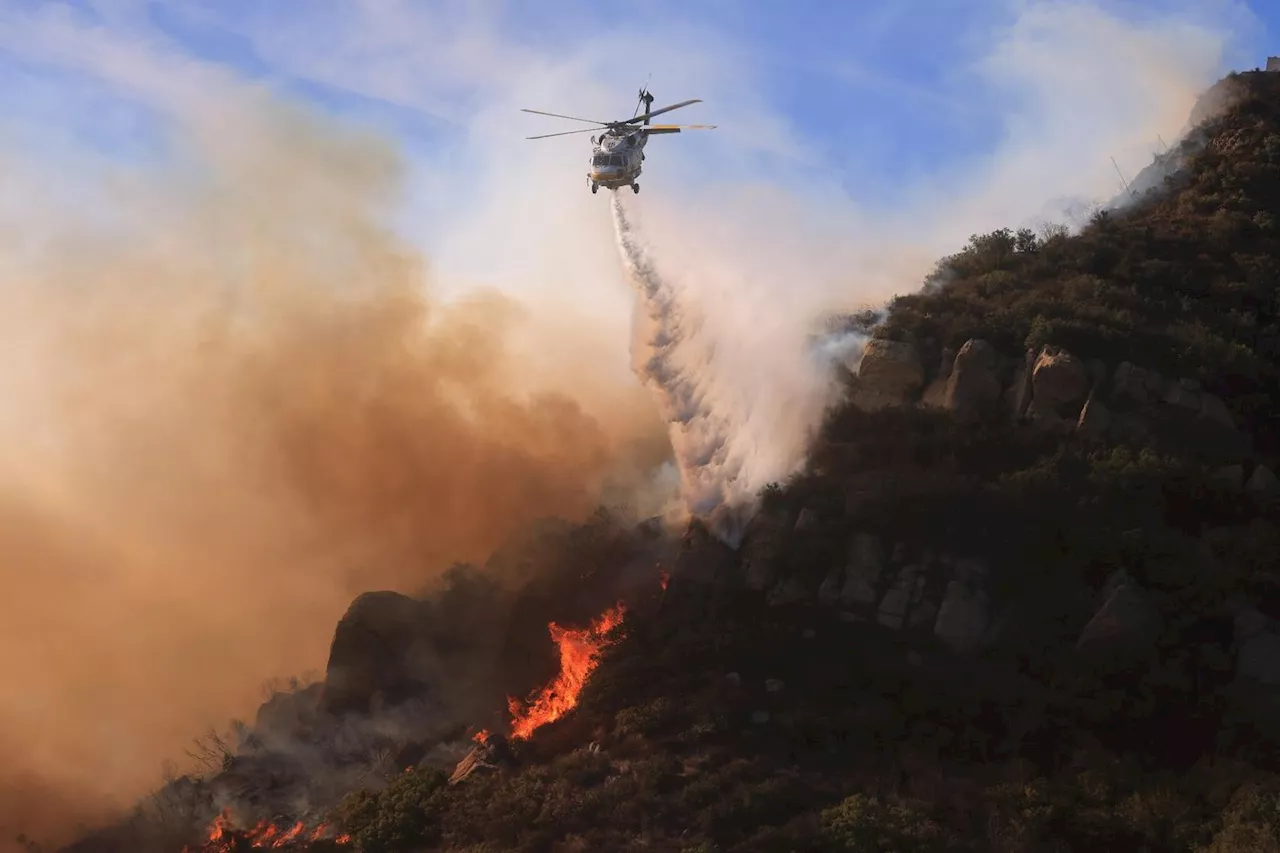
(228, 411)
(579, 653)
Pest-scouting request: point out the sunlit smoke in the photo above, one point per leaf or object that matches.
(231, 409)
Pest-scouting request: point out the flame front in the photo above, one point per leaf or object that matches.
(579, 653)
(223, 838)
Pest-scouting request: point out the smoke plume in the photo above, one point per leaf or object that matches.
(232, 405)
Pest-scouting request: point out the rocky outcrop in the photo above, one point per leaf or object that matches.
(1257, 647)
(377, 654)
(891, 373)
(963, 617)
(1126, 626)
(1056, 389)
(1262, 483)
(1060, 382)
(763, 549)
(865, 566)
(1095, 419)
(973, 386)
(288, 714)
(703, 559)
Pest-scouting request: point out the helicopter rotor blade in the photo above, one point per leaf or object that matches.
(663, 110)
(562, 133)
(570, 118)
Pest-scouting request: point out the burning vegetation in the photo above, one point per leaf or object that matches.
(223, 837)
(579, 653)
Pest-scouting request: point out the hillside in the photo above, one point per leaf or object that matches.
(1024, 598)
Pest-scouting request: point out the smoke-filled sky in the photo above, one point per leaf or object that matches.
(290, 309)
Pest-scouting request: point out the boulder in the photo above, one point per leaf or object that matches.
(829, 591)
(963, 618)
(1257, 647)
(1176, 393)
(1095, 419)
(1262, 483)
(1213, 410)
(763, 550)
(789, 591)
(1060, 382)
(1019, 394)
(1126, 626)
(863, 570)
(892, 612)
(376, 655)
(900, 598)
(973, 386)
(1230, 477)
(889, 374)
(1130, 383)
(922, 614)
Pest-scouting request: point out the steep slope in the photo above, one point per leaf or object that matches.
(1024, 598)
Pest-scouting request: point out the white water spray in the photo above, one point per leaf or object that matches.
(729, 438)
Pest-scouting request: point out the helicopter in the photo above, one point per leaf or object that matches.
(616, 154)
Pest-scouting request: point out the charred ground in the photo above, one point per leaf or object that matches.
(1023, 598)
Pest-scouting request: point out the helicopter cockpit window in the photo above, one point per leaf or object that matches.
(600, 160)
(615, 160)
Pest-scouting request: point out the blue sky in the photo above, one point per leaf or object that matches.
(870, 112)
(869, 86)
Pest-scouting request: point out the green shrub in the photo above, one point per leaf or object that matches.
(862, 823)
(1250, 823)
(404, 816)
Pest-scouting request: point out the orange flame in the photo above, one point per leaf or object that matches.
(664, 579)
(224, 838)
(579, 653)
(481, 736)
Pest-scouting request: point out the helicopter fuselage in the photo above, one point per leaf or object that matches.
(616, 159)
(618, 152)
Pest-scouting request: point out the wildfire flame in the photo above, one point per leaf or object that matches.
(224, 838)
(664, 579)
(579, 652)
(481, 736)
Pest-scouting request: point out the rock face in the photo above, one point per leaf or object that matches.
(286, 714)
(762, 552)
(963, 618)
(1057, 389)
(1126, 626)
(973, 386)
(703, 559)
(1060, 382)
(1257, 647)
(1262, 483)
(376, 655)
(890, 374)
(862, 572)
(1095, 419)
